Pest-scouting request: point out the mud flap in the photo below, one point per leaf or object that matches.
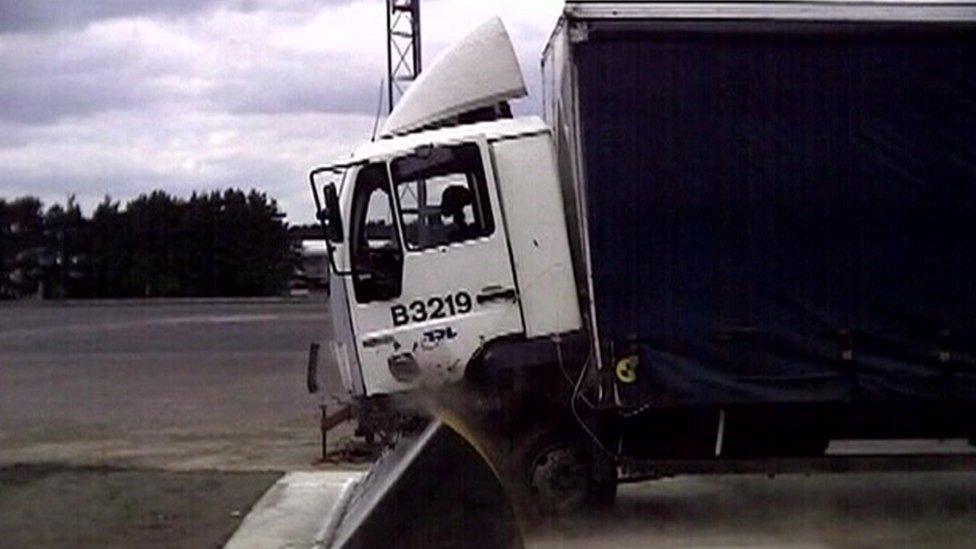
(433, 489)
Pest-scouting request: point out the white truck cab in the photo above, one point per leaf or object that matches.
(448, 231)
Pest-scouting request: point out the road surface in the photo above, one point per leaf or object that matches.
(204, 384)
(791, 511)
(220, 385)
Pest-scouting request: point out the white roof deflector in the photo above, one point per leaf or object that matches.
(479, 71)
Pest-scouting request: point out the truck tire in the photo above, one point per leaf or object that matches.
(560, 473)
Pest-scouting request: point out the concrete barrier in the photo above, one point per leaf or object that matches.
(300, 510)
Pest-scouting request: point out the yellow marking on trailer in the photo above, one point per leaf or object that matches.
(626, 369)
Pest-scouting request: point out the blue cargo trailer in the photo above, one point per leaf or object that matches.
(772, 208)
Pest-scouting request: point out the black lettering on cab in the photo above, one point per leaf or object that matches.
(399, 313)
(433, 308)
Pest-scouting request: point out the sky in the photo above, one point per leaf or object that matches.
(122, 97)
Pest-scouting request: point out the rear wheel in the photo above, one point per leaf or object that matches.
(558, 478)
(562, 474)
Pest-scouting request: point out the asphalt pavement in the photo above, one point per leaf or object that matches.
(174, 384)
(883, 510)
(193, 385)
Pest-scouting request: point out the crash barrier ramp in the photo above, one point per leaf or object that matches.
(432, 489)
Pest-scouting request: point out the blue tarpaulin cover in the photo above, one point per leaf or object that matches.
(784, 212)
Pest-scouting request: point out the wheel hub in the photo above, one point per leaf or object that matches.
(559, 478)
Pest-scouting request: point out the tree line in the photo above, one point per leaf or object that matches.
(230, 243)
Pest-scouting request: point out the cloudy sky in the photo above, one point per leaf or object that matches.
(121, 97)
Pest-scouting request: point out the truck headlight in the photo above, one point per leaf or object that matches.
(403, 367)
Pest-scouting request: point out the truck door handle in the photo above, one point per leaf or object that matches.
(501, 294)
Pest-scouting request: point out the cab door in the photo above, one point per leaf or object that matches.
(432, 273)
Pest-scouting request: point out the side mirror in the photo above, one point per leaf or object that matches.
(330, 215)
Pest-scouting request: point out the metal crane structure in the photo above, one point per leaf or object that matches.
(402, 46)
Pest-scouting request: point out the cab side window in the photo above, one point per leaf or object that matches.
(377, 261)
(443, 196)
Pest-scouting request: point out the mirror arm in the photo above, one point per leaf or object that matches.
(325, 228)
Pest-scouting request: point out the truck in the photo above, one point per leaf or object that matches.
(740, 231)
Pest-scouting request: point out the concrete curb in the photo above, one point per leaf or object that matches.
(325, 537)
(302, 510)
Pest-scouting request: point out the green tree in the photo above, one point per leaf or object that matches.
(64, 257)
(228, 243)
(21, 246)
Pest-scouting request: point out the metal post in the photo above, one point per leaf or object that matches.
(389, 54)
(402, 46)
(415, 19)
(324, 427)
